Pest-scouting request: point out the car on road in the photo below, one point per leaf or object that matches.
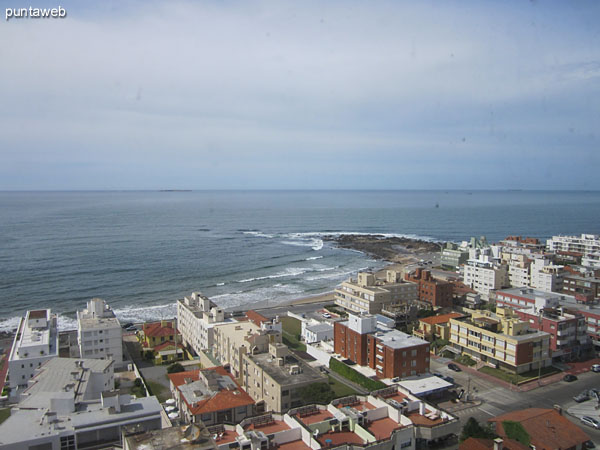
(127, 325)
(582, 397)
(454, 367)
(327, 315)
(568, 378)
(596, 368)
(590, 421)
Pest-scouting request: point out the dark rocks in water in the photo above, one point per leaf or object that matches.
(384, 247)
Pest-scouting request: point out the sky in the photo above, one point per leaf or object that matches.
(325, 94)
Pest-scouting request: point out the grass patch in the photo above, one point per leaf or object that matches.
(4, 414)
(354, 376)
(161, 392)
(520, 378)
(465, 360)
(291, 325)
(340, 389)
(514, 430)
(291, 333)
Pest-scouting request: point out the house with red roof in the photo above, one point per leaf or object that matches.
(163, 339)
(211, 396)
(435, 327)
(543, 428)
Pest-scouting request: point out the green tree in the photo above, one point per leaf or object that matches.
(175, 368)
(473, 429)
(317, 393)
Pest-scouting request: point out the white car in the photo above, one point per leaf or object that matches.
(590, 421)
(327, 315)
(596, 368)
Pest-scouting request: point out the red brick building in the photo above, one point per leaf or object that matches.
(389, 352)
(435, 292)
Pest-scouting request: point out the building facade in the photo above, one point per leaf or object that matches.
(275, 379)
(35, 342)
(99, 333)
(501, 340)
(389, 352)
(584, 244)
(367, 294)
(437, 293)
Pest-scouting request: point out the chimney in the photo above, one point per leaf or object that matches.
(422, 408)
(498, 444)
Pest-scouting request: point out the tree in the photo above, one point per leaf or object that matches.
(473, 429)
(149, 355)
(317, 393)
(175, 368)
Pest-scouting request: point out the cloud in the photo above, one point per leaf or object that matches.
(238, 86)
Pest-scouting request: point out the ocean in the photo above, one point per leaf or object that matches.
(141, 251)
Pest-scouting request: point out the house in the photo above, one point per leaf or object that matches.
(210, 396)
(435, 327)
(546, 428)
(163, 339)
(489, 444)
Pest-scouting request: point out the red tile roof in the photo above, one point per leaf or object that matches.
(156, 329)
(223, 400)
(486, 444)
(164, 345)
(255, 317)
(547, 428)
(442, 318)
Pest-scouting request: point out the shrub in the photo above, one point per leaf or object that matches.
(175, 368)
(354, 376)
(138, 382)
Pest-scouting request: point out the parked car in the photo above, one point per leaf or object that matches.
(582, 397)
(590, 421)
(454, 367)
(589, 444)
(127, 325)
(132, 328)
(568, 377)
(596, 368)
(437, 374)
(395, 379)
(327, 315)
(449, 379)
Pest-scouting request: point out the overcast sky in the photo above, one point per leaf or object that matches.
(305, 94)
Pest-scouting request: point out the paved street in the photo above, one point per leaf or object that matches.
(496, 399)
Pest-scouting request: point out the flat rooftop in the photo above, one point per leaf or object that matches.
(282, 374)
(397, 339)
(429, 419)
(226, 437)
(293, 445)
(425, 385)
(319, 416)
(274, 426)
(337, 438)
(383, 428)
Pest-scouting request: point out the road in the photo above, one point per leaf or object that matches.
(498, 400)
(296, 309)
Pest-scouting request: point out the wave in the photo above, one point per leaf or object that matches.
(259, 234)
(312, 258)
(220, 284)
(315, 244)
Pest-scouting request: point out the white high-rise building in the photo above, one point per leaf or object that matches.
(585, 244)
(196, 319)
(484, 271)
(36, 341)
(99, 333)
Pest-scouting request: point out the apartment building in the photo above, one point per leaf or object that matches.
(391, 353)
(591, 260)
(99, 333)
(545, 275)
(387, 419)
(484, 271)
(275, 379)
(234, 340)
(196, 318)
(35, 342)
(454, 255)
(367, 294)
(584, 244)
(210, 396)
(575, 283)
(434, 292)
(501, 340)
(70, 404)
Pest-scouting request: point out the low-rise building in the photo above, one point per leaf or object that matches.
(187, 437)
(252, 335)
(196, 318)
(454, 255)
(35, 342)
(575, 283)
(210, 396)
(99, 333)
(163, 340)
(367, 294)
(391, 353)
(436, 293)
(275, 379)
(435, 327)
(501, 340)
(546, 428)
(314, 331)
(71, 404)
